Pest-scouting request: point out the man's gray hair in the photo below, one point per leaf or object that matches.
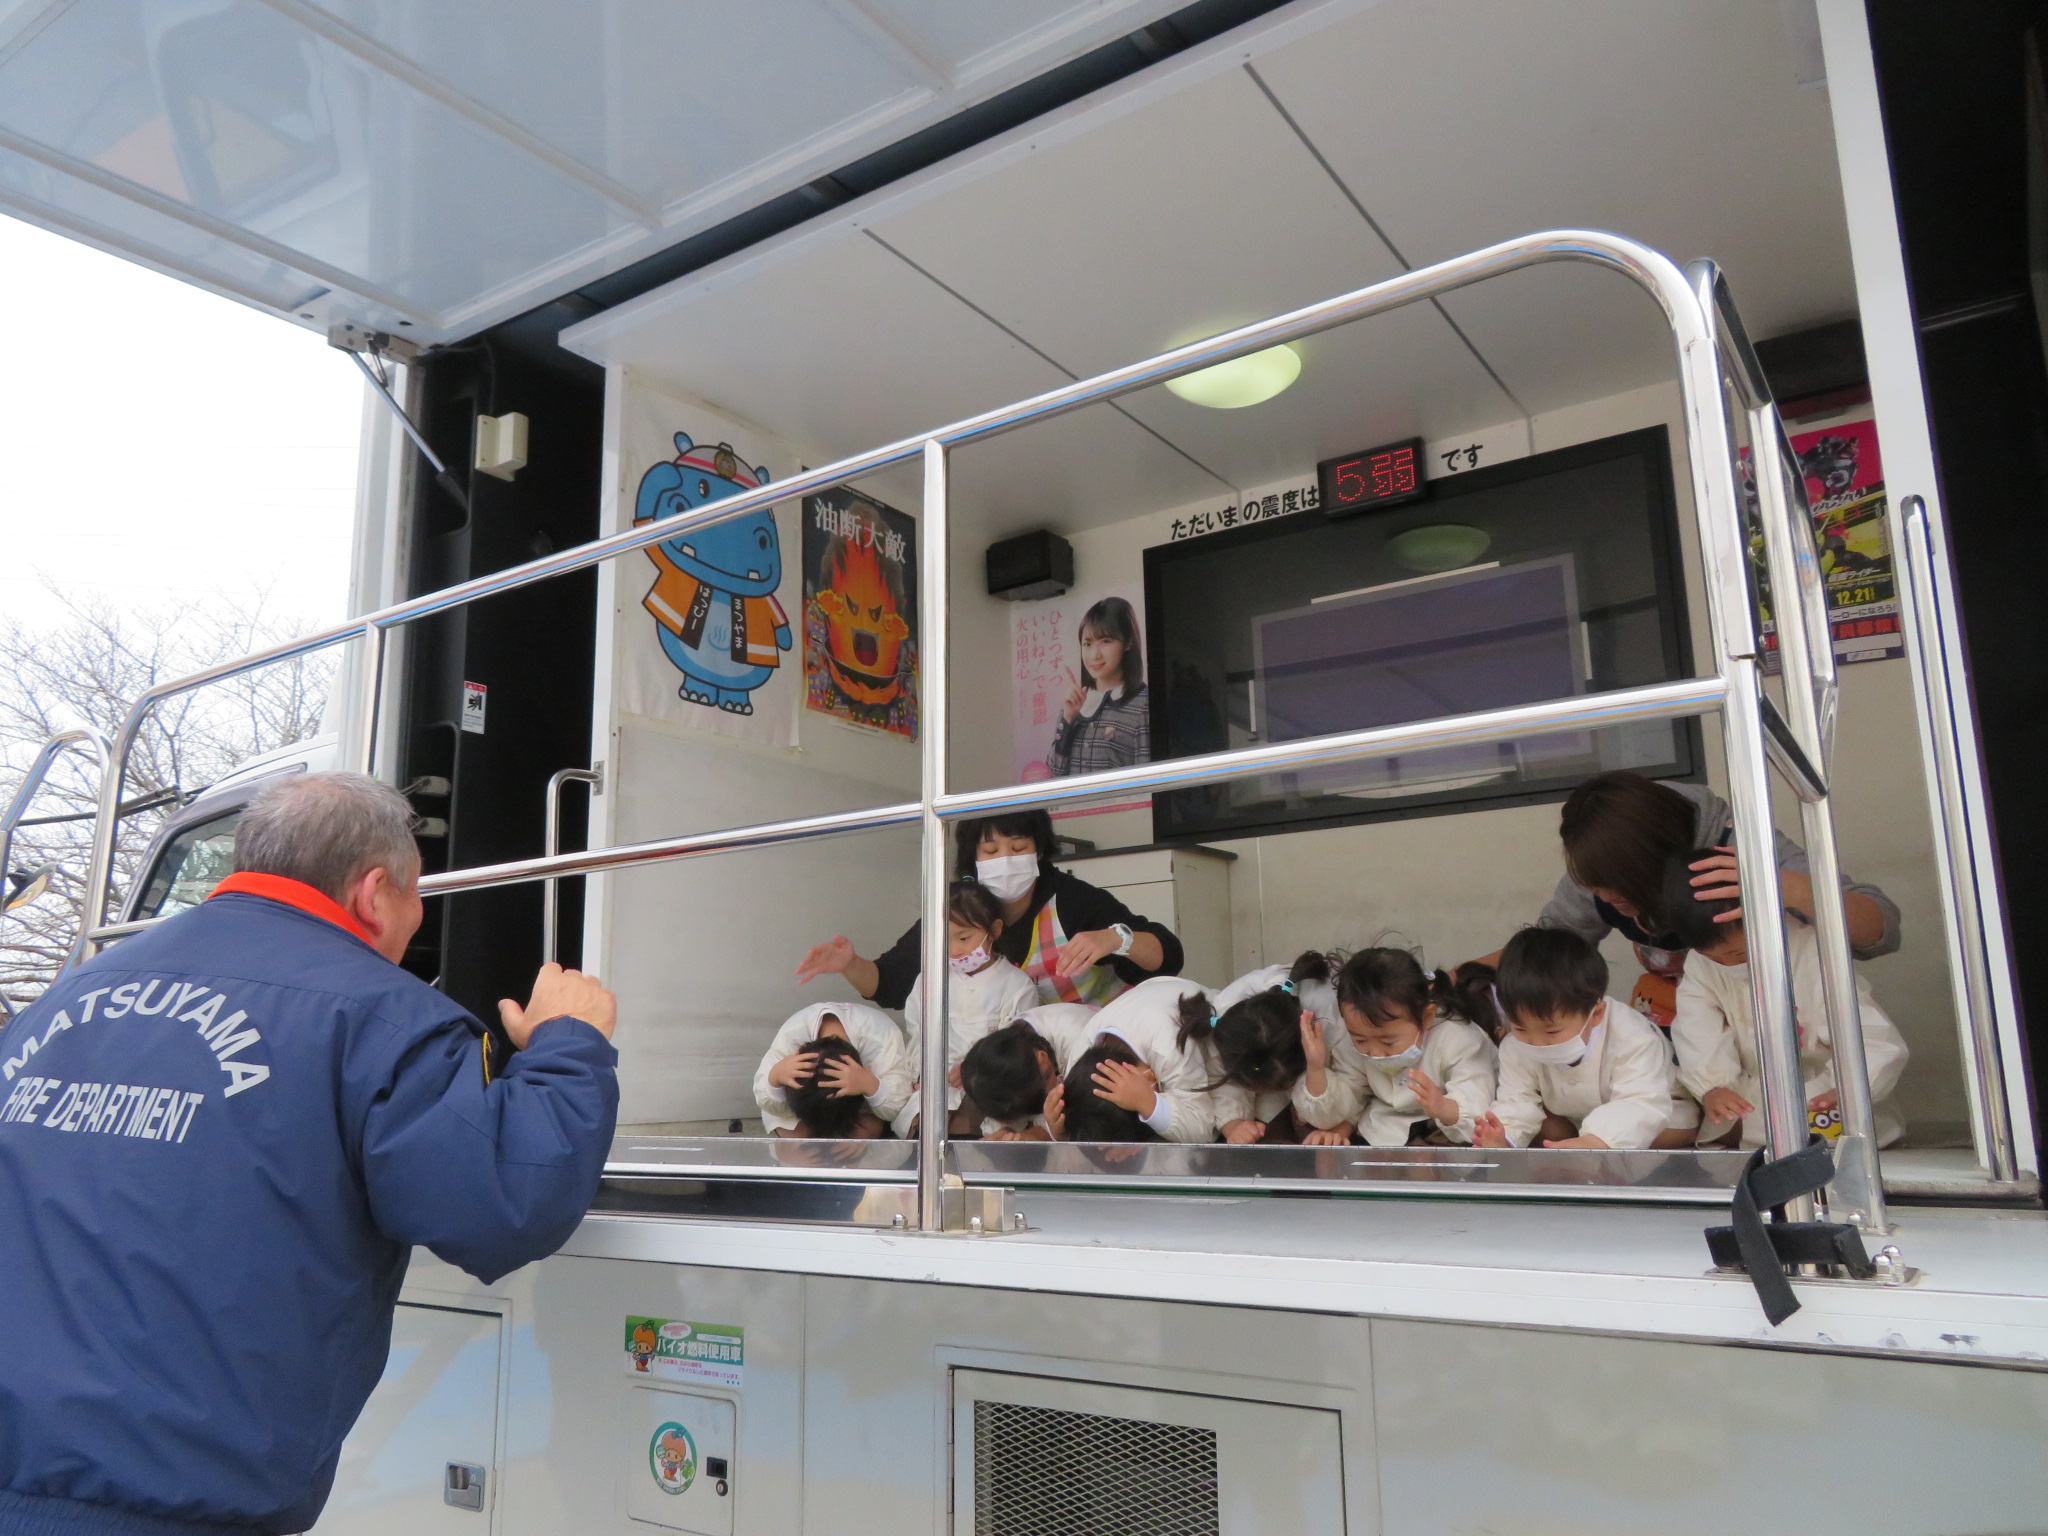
(327, 830)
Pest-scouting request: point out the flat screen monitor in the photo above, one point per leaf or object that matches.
(1539, 579)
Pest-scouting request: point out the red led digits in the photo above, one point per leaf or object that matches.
(1379, 477)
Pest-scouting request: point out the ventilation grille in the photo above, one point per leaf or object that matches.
(1049, 1472)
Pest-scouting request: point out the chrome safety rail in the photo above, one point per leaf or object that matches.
(1710, 353)
(1935, 685)
(104, 825)
(551, 887)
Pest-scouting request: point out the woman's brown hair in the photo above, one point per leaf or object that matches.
(1620, 830)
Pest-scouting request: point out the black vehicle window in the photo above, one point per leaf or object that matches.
(192, 863)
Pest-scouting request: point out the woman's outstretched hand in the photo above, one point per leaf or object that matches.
(828, 959)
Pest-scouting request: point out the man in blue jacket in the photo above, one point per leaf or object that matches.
(219, 1141)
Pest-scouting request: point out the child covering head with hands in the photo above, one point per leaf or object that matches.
(1577, 1068)
(1272, 1039)
(833, 1070)
(1714, 1031)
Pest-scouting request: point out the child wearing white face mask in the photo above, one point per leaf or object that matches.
(1076, 941)
(1578, 1068)
(984, 993)
(1427, 1072)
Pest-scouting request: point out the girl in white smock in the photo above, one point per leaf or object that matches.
(1008, 1073)
(1141, 1075)
(1275, 1041)
(983, 993)
(1426, 1071)
(1714, 1032)
(1578, 1068)
(795, 1068)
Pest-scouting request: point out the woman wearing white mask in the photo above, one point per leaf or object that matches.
(1578, 1068)
(1076, 942)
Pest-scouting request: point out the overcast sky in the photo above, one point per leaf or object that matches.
(160, 446)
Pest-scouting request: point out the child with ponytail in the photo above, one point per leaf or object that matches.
(1273, 1041)
(1427, 1069)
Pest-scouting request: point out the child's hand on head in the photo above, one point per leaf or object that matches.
(1313, 1045)
(1127, 1087)
(848, 1079)
(1331, 1136)
(1725, 1104)
(828, 959)
(1242, 1133)
(1487, 1131)
(793, 1071)
(1056, 1110)
(1437, 1104)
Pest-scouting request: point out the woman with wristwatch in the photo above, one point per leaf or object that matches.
(1076, 941)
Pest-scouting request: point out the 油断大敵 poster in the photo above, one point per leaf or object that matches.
(860, 611)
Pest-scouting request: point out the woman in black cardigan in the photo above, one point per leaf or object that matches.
(1075, 940)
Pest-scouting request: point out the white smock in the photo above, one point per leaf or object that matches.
(1147, 1019)
(977, 1005)
(1343, 1088)
(1069, 1029)
(1622, 1090)
(1714, 1034)
(1457, 1056)
(869, 1030)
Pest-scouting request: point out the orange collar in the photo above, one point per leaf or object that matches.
(293, 893)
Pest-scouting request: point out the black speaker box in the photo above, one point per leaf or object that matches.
(1031, 565)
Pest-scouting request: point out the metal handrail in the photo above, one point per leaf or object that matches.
(1806, 653)
(551, 887)
(1970, 980)
(1736, 690)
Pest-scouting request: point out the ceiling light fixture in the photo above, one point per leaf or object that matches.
(1242, 381)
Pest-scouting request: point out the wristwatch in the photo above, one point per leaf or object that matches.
(1123, 937)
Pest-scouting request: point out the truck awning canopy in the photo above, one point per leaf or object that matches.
(436, 166)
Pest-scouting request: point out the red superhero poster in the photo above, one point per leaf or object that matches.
(1845, 487)
(860, 612)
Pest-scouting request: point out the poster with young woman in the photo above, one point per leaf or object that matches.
(1077, 678)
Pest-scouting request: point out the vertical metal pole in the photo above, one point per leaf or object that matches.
(1969, 964)
(935, 706)
(373, 696)
(1732, 619)
(99, 874)
(1806, 649)
(551, 888)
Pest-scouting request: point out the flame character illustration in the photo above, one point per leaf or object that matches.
(864, 628)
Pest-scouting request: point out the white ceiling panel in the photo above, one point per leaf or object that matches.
(1677, 122)
(440, 165)
(842, 346)
(1200, 211)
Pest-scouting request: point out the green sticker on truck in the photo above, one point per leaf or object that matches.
(681, 1350)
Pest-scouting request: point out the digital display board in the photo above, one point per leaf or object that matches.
(1377, 477)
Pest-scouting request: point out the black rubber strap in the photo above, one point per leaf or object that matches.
(1767, 1186)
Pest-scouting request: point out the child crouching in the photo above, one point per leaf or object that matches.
(1714, 1031)
(1578, 1068)
(1273, 1038)
(1426, 1070)
(833, 1070)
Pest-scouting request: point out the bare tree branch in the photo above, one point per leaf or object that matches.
(89, 669)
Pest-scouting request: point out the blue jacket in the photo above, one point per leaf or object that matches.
(219, 1141)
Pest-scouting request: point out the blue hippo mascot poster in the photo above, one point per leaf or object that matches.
(713, 600)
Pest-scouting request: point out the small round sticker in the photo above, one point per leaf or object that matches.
(672, 1458)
